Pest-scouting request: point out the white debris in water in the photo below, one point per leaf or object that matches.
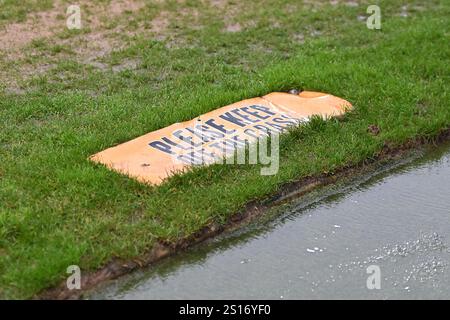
(315, 249)
(422, 256)
(337, 226)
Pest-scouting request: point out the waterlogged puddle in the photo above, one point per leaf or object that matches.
(396, 222)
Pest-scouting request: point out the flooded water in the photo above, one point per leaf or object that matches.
(393, 223)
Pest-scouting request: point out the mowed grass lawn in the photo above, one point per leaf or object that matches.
(131, 69)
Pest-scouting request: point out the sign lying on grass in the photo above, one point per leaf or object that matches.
(216, 135)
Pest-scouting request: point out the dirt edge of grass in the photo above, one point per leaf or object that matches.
(252, 210)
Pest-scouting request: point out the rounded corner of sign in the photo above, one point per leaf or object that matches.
(346, 106)
(93, 158)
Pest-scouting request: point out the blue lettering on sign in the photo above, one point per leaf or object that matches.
(259, 120)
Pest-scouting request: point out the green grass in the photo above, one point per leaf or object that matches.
(11, 11)
(58, 209)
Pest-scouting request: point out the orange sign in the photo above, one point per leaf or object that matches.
(156, 155)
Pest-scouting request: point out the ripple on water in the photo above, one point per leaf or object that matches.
(322, 246)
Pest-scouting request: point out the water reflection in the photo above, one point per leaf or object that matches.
(321, 245)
